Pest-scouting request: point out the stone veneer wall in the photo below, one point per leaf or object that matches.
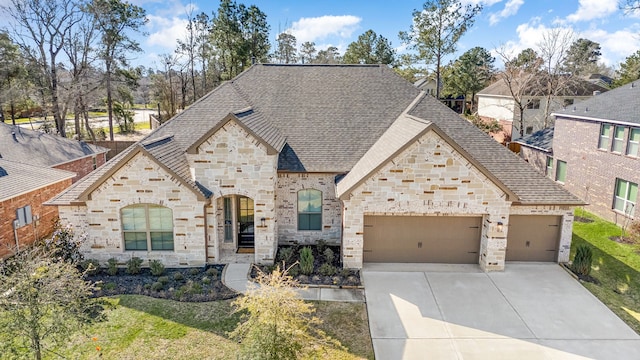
(287, 208)
(427, 178)
(139, 181)
(233, 162)
(567, 224)
(536, 158)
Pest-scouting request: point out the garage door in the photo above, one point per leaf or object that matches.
(533, 238)
(437, 239)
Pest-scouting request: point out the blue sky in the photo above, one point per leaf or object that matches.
(509, 24)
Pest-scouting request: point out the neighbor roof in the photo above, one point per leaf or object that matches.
(22, 178)
(580, 87)
(322, 118)
(618, 105)
(541, 140)
(38, 148)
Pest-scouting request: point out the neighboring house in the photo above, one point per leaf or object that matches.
(596, 149)
(426, 84)
(23, 189)
(47, 150)
(350, 154)
(496, 102)
(537, 150)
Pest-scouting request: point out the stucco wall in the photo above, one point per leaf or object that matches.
(427, 178)
(499, 108)
(287, 211)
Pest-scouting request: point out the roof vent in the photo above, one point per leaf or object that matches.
(586, 109)
(13, 133)
(597, 92)
(574, 109)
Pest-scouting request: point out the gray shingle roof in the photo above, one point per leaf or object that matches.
(21, 178)
(541, 140)
(579, 87)
(618, 105)
(38, 148)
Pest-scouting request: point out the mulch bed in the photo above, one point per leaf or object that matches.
(623, 239)
(185, 284)
(586, 278)
(582, 219)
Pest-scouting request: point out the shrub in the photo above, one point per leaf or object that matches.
(156, 267)
(294, 270)
(134, 265)
(64, 244)
(327, 269)
(112, 266)
(306, 261)
(328, 255)
(90, 266)
(582, 261)
(164, 280)
(213, 272)
(178, 276)
(194, 271)
(110, 286)
(321, 245)
(206, 280)
(345, 272)
(286, 254)
(157, 286)
(634, 230)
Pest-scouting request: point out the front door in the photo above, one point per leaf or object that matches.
(245, 222)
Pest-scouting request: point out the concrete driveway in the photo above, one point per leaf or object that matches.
(529, 311)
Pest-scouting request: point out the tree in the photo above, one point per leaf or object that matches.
(114, 19)
(12, 73)
(286, 52)
(278, 323)
(330, 55)
(582, 57)
(43, 300)
(255, 33)
(436, 30)
(369, 49)
(629, 70)
(308, 52)
(470, 73)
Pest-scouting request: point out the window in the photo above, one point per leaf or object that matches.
(567, 102)
(95, 162)
(147, 226)
(309, 209)
(549, 165)
(618, 139)
(529, 130)
(605, 134)
(561, 171)
(625, 196)
(533, 104)
(23, 216)
(634, 140)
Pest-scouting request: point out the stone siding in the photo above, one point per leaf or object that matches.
(428, 178)
(234, 162)
(82, 166)
(287, 208)
(592, 173)
(140, 181)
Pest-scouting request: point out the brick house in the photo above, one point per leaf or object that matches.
(47, 150)
(595, 152)
(350, 154)
(537, 150)
(23, 189)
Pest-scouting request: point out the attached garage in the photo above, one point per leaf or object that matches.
(533, 238)
(418, 239)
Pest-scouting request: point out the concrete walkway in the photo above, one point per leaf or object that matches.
(235, 277)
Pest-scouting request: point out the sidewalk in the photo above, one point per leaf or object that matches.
(235, 277)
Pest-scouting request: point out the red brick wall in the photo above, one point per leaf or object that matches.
(592, 173)
(36, 230)
(82, 166)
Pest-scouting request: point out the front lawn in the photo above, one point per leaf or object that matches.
(140, 327)
(616, 266)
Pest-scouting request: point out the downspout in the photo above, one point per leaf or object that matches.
(206, 234)
(15, 234)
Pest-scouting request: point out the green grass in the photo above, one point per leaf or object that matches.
(140, 327)
(616, 266)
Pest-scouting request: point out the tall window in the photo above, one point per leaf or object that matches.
(309, 209)
(147, 226)
(605, 135)
(549, 166)
(625, 196)
(634, 140)
(618, 139)
(561, 171)
(533, 104)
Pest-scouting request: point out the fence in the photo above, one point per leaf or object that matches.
(115, 147)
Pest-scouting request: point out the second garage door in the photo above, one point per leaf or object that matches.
(533, 237)
(437, 239)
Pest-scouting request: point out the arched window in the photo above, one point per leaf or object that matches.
(147, 226)
(309, 209)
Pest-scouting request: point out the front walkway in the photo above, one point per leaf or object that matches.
(235, 277)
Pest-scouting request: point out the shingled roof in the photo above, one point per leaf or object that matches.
(618, 105)
(578, 87)
(321, 118)
(19, 178)
(38, 148)
(541, 140)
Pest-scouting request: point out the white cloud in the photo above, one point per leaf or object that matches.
(510, 8)
(165, 31)
(614, 49)
(320, 28)
(483, 2)
(593, 9)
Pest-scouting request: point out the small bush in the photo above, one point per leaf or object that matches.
(147, 286)
(306, 261)
(178, 276)
(206, 280)
(194, 271)
(582, 261)
(294, 270)
(134, 265)
(321, 245)
(164, 280)
(328, 255)
(345, 272)
(634, 230)
(112, 266)
(327, 269)
(157, 286)
(64, 244)
(286, 254)
(90, 266)
(213, 272)
(156, 267)
(110, 286)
